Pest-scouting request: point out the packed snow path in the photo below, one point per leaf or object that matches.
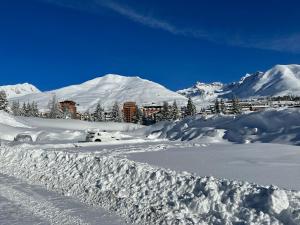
(24, 204)
(144, 194)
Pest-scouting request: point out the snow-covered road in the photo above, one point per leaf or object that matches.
(25, 204)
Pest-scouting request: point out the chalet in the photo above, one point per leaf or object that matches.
(149, 111)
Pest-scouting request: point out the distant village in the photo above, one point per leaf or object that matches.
(146, 114)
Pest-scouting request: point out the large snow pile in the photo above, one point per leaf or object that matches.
(277, 126)
(18, 90)
(149, 195)
(108, 90)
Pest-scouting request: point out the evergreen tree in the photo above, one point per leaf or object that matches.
(190, 108)
(23, 110)
(3, 101)
(54, 108)
(138, 115)
(217, 106)
(222, 106)
(28, 110)
(236, 107)
(166, 114)
(87, 116)
(99, 113)
(35, 109)
(175, 114)
(115, 113)
(15, 108)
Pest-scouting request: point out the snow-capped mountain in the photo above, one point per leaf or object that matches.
(108, 89)
(203, 90)
(19, 90)
(278, 81)
(202, 94)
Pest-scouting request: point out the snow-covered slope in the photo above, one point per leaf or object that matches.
(109, 89)
(203, 93)
(278, 81)
(18, 90)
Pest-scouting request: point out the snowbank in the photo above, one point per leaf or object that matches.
(277, 126)
(54, 130)
(149, 195)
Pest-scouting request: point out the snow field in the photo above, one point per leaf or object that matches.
(148, 195)
(54, 130)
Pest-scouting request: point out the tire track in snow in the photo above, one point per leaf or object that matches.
(40, 207)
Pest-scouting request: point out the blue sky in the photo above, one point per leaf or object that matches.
(54, 43)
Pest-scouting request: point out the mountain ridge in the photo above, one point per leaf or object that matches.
(107, 90)
(18, 90)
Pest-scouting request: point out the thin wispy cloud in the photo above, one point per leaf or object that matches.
(151, 21)
(289, 43)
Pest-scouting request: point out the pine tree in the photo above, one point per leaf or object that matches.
(190, 108)
(222, 106)
(166, 114)
(175, 114)
(54, 108)
(23, 110)
(99, 113)
(115, 113)
(28, 110)
(138, 115)
(35, 109)
(15, 108)
(3, 101)
(236, 107)
(87, 116)
(217, 106)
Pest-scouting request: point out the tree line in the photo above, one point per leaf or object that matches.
(30, 109)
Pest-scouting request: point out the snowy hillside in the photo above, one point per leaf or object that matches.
(108, 89)
(278, 81)
(18, 90)
(202, 93)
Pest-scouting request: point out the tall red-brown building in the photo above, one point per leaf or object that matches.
(129, 111)
(70, 106)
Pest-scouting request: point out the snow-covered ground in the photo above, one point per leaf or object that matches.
(264, 164)
(57, 131)
(148, 179)
(25, 204)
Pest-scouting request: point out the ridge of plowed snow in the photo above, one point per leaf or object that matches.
(148, 195)
(109, 89)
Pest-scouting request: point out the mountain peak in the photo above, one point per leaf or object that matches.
(107, 90)
(19, 90)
